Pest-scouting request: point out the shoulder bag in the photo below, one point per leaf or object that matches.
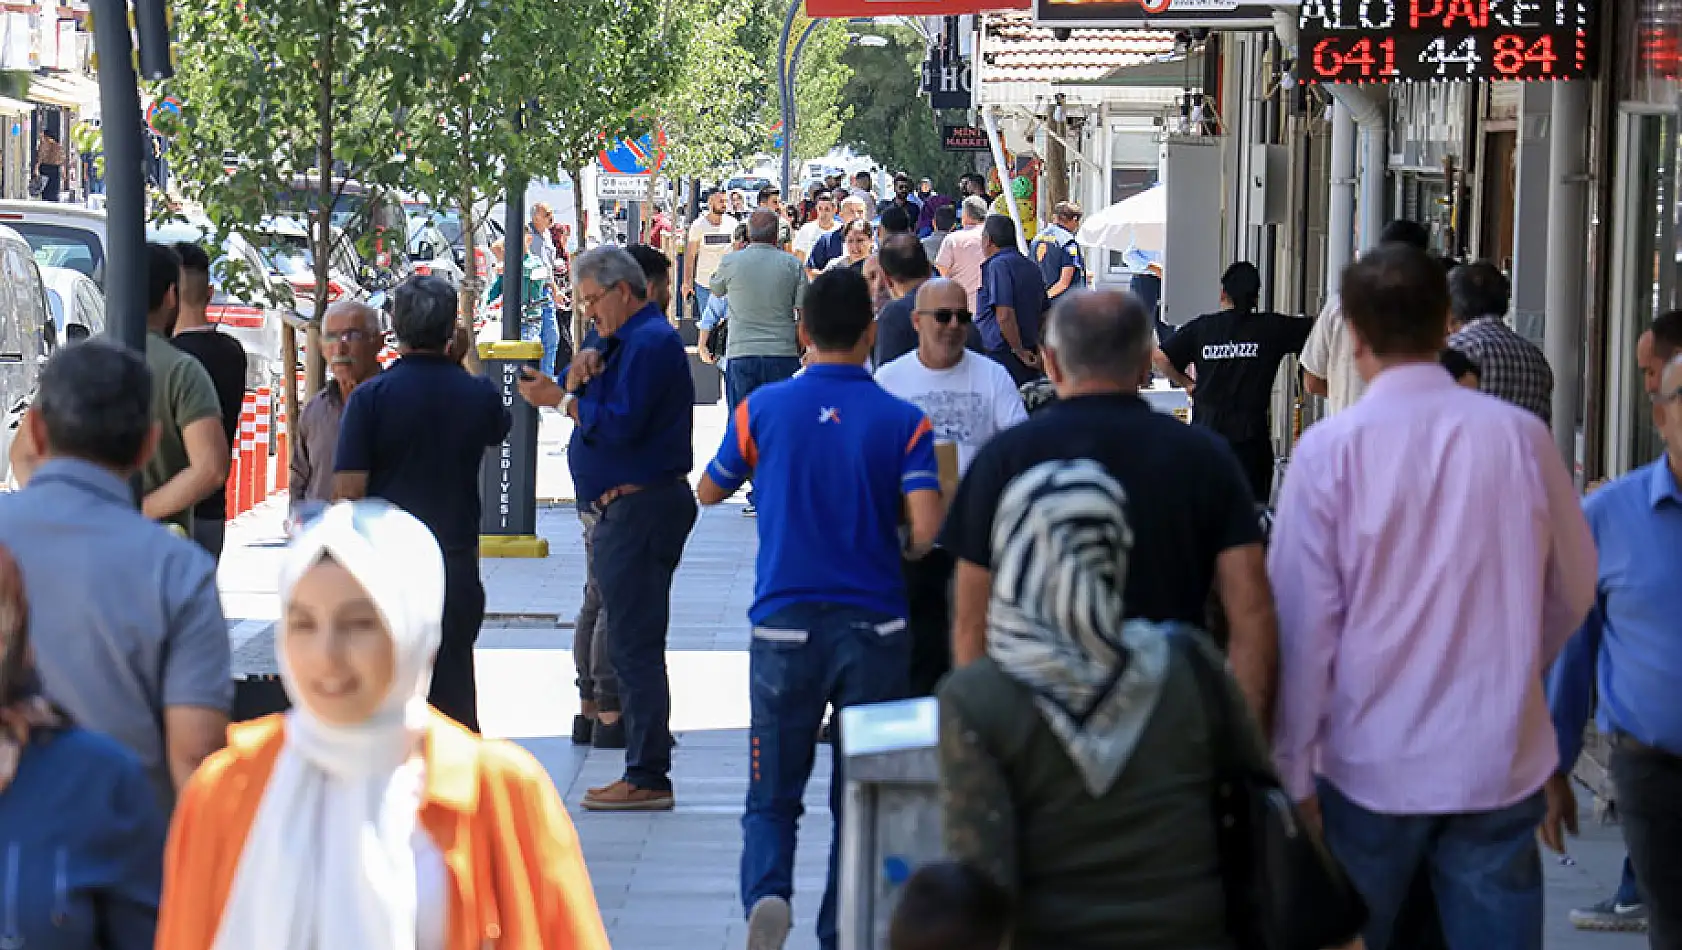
(1284, 890)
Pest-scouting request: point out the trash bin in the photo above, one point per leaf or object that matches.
(891, 813)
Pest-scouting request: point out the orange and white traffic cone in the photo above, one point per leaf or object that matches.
(260, 446)
(247, 449)
(282, 451)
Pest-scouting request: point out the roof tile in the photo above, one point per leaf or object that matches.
(1018, 51)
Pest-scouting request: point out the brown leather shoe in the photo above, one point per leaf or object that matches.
(623, 796)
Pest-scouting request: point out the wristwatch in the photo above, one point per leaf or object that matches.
(566, 403)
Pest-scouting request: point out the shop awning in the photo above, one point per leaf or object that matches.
(9, 106)
(1163, 72)
(66, 90)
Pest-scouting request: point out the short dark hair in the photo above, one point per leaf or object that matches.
(950, 905)
(163, 273)
(1242, 285)
(768, 191)
(857, 224)
(902, 257)
(973, 177)
(825, 195)
(1403, 231)
(424, 313)
(654, 264)
(1396, 298)
(195, 273)
(764, 227)
(837, 310)
(858, 175)
(1000, 230)
(1478, 289)
(193, 257)
(95, 397)
(740, 234)
(894, 220)
(1667, 333)
(945, 217)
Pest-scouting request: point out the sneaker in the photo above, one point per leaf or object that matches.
(583, 727)
(1611, 915)
(768, 924)
(750, 511)
(609, 735)
(623, 796)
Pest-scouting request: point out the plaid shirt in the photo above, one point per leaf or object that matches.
(1510, 367)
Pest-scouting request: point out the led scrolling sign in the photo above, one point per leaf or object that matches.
(1382, 41)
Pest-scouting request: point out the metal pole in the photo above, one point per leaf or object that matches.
(793, 112)
(997, 145)
(1340, 217)
(125, 175)
(1375, 161)
(1567, 238)
(783, 83)
(514, 257)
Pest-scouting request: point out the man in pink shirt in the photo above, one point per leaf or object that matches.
(961, 255)
(1429, 560)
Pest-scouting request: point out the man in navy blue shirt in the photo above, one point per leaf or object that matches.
(415, 435)
(833, 457)
(1629, 653)
(631, 396)
(1010, 302)
(1058, 253)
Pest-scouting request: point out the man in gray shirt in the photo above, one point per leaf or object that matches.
(351, 339)
(124, 616)
(765, 288)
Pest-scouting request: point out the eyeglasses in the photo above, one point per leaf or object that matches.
(946, 315)
(349, 336)
(590, 300)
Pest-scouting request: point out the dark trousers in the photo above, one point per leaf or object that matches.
(928, 592)
(801, 660)
(1020, 372)
(454, 692)
(52, 177)
(1485, 869)
(1256, 457)
(596, 682)
(639, 542)
(1649, 786)
(211, 534)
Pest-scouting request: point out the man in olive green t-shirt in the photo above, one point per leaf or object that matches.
(191, 458)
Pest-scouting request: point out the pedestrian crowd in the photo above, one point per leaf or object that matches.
(1144, 691)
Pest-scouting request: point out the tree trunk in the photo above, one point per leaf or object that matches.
(1056, 164)
(315, 368)
(471, 286)
(580, 219)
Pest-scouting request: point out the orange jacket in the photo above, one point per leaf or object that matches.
(516, 872)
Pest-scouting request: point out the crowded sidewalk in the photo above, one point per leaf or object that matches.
(669, 880)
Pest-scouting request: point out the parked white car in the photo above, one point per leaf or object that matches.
(27, 336)
(77, 305)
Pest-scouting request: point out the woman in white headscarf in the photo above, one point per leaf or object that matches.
(362, 819)
(1076, 756)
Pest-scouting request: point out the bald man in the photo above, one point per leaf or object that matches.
(351, 338)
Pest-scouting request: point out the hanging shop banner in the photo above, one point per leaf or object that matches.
(948, 80)
(1382, 41)
(1154, 14)
(875, 8)
(963, 138)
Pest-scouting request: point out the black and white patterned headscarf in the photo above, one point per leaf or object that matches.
(1057, 622)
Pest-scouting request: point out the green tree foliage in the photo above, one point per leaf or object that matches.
(284, 88)
(891, 122)
(705, 112)
(821, 108)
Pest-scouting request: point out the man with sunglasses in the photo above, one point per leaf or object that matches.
(351, 339)
(968, 399)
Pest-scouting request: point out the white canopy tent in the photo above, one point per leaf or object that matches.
(1138, 223)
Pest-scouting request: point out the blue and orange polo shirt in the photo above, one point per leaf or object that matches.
(831, 455)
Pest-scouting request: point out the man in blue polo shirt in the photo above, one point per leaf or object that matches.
(1010, 302)
(833, 457)
(632, 400)
(415, 435)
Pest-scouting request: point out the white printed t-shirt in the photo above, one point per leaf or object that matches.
(1330, 355)
(967, 404)
(714, 241)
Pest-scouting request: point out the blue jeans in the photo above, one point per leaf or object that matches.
(1628, 891)
(550, 335)
(1486, 869)
(639, 541)
(702, 295)
(802, 659)
(744, 374)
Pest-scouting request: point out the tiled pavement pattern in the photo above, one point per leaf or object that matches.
(669, 881)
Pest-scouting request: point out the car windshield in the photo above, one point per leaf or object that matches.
(57, 245)
(347, 208)
(289, 255)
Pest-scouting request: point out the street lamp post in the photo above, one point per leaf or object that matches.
(125, 174)
(785, 82)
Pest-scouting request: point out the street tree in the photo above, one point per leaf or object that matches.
(290, 88)
(821, 108)
(890, 121)
(710, 111)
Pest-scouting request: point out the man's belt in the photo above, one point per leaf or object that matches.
(620, 491)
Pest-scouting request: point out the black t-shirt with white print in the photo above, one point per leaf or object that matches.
(1237, 356)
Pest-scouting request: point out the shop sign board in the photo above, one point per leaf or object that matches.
(963, 138)
(1386, 41)
(1154, 14)
(948, 80)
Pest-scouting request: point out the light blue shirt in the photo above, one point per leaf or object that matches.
(124, 616)
(1631, 645)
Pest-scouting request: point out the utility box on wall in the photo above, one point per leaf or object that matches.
(1270, 184)
(1192, 265)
